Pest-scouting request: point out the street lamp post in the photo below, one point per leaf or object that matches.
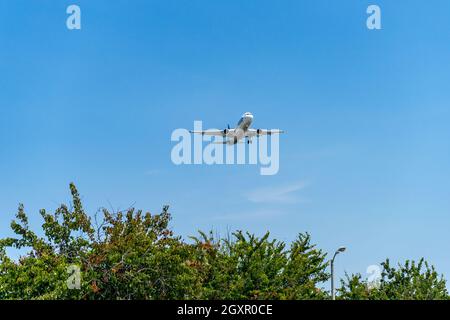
(341, 249)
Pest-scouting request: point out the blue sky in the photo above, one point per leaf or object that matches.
(365, 162)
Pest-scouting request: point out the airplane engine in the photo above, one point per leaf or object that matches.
(225, 132)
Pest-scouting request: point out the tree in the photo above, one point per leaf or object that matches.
(247, 267)
(132, 255)
(135, 255)
(42, 273)
(127, 255)
(409, 281)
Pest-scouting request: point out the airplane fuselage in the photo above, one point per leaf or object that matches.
(242, 131)
(242, 126)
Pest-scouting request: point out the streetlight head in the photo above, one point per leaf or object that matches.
(342, 249)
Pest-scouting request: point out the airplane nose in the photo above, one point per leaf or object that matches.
(247, 115)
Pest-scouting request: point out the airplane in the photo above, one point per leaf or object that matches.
(234, 135)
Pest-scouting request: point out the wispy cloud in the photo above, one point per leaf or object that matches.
(282, 194)
(259, 214)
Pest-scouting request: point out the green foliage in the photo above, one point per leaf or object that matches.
(409, 281)
(247, 267)
(135, 255)
(42, 273)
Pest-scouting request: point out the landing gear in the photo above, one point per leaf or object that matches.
(249, 141)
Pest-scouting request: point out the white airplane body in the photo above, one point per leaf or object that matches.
(235, 135)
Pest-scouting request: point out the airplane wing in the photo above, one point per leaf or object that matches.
(213, 132)
(229, 141)
(262, 132)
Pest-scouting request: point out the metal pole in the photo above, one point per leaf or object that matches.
(333, 295)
